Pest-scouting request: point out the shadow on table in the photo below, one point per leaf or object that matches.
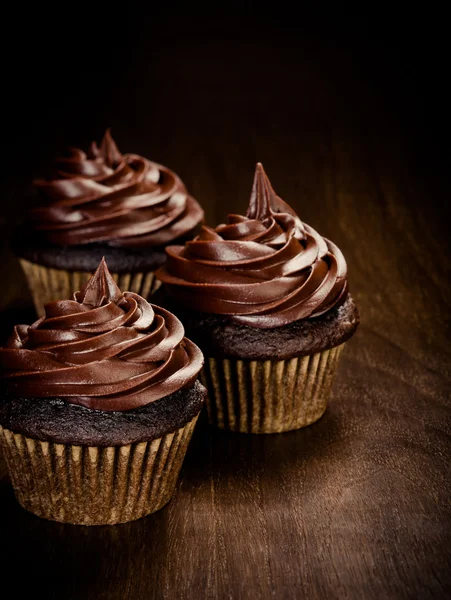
(218, 453)
(71, 562)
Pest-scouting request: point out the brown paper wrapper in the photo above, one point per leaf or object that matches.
(88, 485)
(47, 284)
(251, 396)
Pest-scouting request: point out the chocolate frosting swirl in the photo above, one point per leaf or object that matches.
(104, 350)
(265, 269)
(104, 196)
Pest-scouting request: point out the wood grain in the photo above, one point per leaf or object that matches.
(357, 505)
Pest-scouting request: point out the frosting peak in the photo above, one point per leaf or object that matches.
(262, 196)
(265, 269)
(100, 289)
(265, 204)
(118, 199)
(108, 151)
(104, 350)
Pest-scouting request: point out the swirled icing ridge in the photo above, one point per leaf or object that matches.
(265, 269)
(104, 350)
(104, 196)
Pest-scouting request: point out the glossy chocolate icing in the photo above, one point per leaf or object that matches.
(104, 196)
(103, 350)
(265, 270)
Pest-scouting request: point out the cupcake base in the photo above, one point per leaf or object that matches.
(251, 396)
(48, 284)
(90, 485)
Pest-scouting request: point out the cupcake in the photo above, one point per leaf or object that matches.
(102, 203)
(266, 299)
(100, 400)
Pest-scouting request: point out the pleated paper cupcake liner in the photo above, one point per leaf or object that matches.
(88, 485)
(250, 396)
(47, 284)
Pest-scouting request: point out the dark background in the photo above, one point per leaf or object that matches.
(349, 115)
(216, 90)
(170, 76)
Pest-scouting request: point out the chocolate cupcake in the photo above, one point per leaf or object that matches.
(102, 203)
(100, 400)
(266, 299)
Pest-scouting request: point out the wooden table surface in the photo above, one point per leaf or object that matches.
(357, 505)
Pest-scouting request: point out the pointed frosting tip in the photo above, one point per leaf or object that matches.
(100, 289)
(261, 196)
(107, 138)
(110, 151)
(93, 150)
